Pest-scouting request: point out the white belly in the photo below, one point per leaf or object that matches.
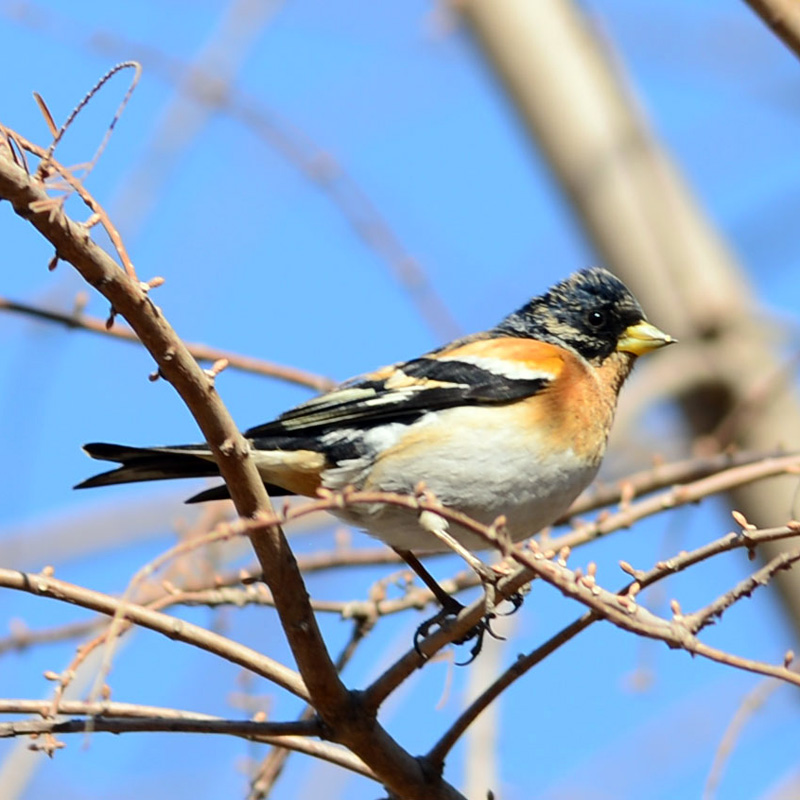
(485, 472)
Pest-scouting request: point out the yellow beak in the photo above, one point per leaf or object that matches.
(643, 338)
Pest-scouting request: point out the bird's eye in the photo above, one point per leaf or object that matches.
(596, 319)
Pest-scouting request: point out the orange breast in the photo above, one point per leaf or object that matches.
(578, 408)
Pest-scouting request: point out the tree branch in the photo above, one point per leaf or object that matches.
(133, 718)
(171, 627)
(782, 18)
(339, 709)
(663, 569)
(201, 352)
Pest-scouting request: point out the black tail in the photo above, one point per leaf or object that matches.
(158, 464)
(149, 463)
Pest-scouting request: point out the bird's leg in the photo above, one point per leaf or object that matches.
(438, 526)
(440, 594)
(451, 607)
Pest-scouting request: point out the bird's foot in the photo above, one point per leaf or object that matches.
(444, 618)
(449, 613)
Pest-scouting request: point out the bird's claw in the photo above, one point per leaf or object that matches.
(449, 612)
(516, 601)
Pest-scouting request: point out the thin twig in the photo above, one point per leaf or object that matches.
(115, 717)
(48, 586)
(439, 751)
(201, 352)
(111, 724)
(747, 708)
(44, 164)
(745, 588)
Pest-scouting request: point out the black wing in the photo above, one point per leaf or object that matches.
(404, 393)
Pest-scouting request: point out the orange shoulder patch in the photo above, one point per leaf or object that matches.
(528, 353)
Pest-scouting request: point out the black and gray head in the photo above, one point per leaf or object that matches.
(592, 313)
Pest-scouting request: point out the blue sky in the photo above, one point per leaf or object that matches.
(258, 259)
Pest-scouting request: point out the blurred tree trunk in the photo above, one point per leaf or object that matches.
(647, 227)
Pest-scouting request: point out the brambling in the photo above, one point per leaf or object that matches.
(512, 421)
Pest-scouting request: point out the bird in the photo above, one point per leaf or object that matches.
(512, 421)
(507, 424)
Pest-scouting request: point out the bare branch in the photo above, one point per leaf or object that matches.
(173, 628)
(201, 352)
(108, 723)
(133, 718)
(438, 753)
(783, 19)
(745, 588)
(338, 708)
(44, 164)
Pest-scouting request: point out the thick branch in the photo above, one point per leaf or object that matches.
(783, 19)
(340, 710)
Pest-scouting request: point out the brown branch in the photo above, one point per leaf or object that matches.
(339, 709)
(745, 588)
(105, 708)
(748, 539)
(625, 613)
(129, 718)
(108, 723)
(180, 630)
(201, 352)
(783, 19)
(414, 597)
(22, 638)
(272, 765)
